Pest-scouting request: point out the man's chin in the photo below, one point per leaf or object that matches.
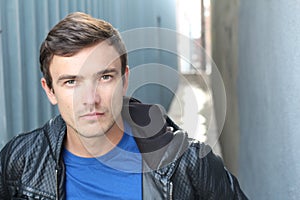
(90, 133)
(94, 129)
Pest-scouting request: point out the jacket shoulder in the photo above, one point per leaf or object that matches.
(13, 153)
(20, 141)
(27, 142)
(207, 173)
(27, 160)
(25, 146)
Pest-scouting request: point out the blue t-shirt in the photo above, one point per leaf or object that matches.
(115, 175)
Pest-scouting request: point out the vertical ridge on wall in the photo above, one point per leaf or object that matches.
(12, 58)
(43, 18)
(3, 128)
(53, 15)
(29, 66)
(63, 8)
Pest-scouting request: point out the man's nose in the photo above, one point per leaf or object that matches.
(89, 94)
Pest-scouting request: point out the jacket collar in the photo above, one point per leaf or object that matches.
(55, 131)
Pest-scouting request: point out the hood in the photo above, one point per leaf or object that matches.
(159, 139)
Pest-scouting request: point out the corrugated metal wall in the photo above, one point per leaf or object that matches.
(24, 25)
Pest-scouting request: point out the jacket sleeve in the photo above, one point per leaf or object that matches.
(218, 180)
(235, 187)
(3, 186)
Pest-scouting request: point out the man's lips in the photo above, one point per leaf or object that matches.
(92, 115)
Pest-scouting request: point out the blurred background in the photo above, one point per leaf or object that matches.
(254, 45)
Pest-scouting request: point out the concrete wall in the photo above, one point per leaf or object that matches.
(269, 98)
(225, 55)
(256, 45)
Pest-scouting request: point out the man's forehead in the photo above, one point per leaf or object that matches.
(88, 60)
(102, 52)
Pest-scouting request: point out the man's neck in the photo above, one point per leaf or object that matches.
(95, 146)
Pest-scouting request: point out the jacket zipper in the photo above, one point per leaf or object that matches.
(56, 178)
(171, 191)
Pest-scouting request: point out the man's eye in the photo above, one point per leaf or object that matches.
(106, 77)
(70, 82)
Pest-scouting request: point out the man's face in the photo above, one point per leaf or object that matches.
(88, 89)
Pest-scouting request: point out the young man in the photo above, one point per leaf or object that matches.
(104, 145)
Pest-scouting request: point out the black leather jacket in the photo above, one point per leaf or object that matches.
(174, 166)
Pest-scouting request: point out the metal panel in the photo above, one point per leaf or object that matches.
(13, 70)
(24, 25)
(3, 128)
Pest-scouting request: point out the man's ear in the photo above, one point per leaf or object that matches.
(49, 92)
(125, 80)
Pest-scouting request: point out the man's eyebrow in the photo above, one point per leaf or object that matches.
(107, 71)
(66, 77)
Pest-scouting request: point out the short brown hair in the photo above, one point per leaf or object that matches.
(72, 34)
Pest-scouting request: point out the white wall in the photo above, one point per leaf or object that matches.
(269, 98)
